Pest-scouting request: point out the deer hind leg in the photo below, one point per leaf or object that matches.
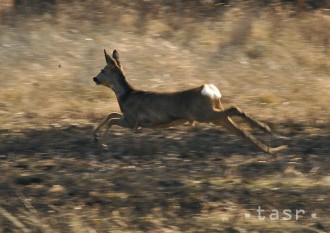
(234, 111)
(232, 126)
(217, 104)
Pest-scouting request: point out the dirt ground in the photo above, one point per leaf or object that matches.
(175, 180)
(55, 178)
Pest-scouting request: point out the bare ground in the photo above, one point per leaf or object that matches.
(188, 179)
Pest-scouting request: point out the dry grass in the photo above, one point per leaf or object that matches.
(269, 61)
(276, 53)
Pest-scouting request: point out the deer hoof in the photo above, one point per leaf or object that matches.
(274, 151)
(104, 147)
(96, 138)
(267, 128)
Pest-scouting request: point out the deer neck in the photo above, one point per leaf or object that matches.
(122, 89)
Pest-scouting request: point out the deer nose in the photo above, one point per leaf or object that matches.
(96, 80)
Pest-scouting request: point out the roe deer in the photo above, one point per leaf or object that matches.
(144, 109)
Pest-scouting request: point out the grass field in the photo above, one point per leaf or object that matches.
(271, 61)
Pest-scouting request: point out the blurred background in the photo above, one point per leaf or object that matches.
(269, 57)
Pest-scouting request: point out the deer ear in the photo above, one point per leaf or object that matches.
(115, 56)
(110, 61)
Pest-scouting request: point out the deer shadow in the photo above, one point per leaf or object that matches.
(200, 141)
(79, 140)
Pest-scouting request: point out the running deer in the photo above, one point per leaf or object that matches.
(144, 109)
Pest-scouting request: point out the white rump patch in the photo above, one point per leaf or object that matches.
(211, 91)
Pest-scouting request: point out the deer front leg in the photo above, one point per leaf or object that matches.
(111, 122)
(116, 121)
(105, 120)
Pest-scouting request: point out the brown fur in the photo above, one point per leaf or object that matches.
(141, 109)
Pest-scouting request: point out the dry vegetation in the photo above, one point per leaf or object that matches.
(271, 60)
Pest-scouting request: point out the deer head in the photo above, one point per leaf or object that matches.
(112, 75)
